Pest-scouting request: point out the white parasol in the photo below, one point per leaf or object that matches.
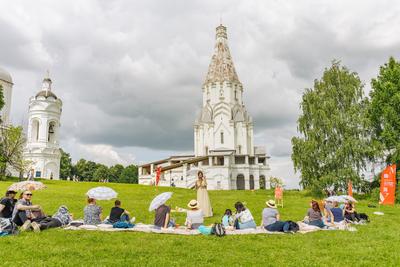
(159, 200)
(27, 185)
(341, 198)
(102, 193)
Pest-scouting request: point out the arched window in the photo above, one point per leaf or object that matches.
(251, 182)
(206, 149)
(240, 183)
(222, 137)
(240, 149)
(236, 95)
(51, 132)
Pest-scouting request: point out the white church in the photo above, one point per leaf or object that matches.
(223, 135)
(42, 146)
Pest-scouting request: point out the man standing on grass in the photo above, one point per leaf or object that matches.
(7, 204)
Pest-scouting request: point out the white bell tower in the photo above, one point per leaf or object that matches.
(42, 147)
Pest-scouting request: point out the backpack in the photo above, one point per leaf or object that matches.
(123, 225)
(8, 226)
(363, 216)
(218, 229)
(293, 226)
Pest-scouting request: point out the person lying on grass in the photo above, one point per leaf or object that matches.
(194, 216)
(117, 214)
(92, 213)
(61, 218)
(23, 213)
(244, 219)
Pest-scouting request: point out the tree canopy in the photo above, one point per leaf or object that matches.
(384, 110)
(334, 146)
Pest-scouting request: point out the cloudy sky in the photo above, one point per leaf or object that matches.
(130, 72)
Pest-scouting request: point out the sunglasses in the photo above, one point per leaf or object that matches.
(28, 194)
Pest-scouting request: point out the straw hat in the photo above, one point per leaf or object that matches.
(193, 204)
(271, 203)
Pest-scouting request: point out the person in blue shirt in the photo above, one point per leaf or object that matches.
(337, 213)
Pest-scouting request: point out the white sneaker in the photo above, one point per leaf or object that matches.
(36, 227)
(26, 226)
(132, 220)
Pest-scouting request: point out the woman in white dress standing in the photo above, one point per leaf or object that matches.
(202, 195)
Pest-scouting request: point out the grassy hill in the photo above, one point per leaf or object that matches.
(373, 244)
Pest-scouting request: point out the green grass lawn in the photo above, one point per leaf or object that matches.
(375, 244)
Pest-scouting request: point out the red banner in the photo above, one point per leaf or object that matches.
(350, 188)
(388, 185)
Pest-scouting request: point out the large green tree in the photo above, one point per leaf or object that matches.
(102, 172)
(334, 146)
(384, 110)
(115, 172)
(85, 169)
(11, 149)
(129, 175)
(65, 165)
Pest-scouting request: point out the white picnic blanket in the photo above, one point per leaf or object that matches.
(147, 228)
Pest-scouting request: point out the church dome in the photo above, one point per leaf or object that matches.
(46, 94)
(5, 76)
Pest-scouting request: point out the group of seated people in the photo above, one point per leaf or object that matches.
(28, 216)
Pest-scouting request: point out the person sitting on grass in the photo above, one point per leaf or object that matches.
(163, 216)
(314, 215)
(117, 214)
(271, 218)
(23, 211)
(194, 216)
(7, 204)
(350, 213)
(337, 213)
(92, 213)
(61, 218)
(243, 217)
(227, 219)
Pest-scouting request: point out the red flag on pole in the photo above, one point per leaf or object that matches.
(388, 185)
(350, 188)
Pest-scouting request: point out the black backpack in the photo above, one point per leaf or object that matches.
(8, 226)
(293, 226)
(363, 216)
(218, 229)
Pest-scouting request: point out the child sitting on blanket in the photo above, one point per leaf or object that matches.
(227, 219)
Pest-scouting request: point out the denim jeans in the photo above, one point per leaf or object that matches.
(246, 225)
(318, 223)
(278, 226)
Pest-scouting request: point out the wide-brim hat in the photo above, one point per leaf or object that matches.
(271, 203)
(193, 204)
